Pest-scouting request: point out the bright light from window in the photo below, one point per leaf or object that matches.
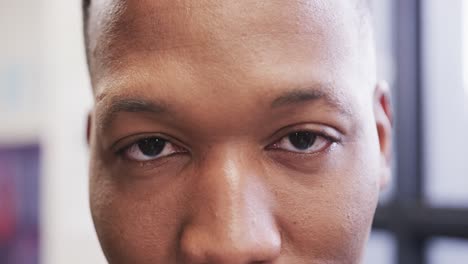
(465, 50)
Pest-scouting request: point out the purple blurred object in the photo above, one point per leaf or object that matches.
(19, 206)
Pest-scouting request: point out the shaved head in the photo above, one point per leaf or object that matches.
(235, 131)
(105, 20)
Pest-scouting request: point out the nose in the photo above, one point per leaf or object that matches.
(231, 220)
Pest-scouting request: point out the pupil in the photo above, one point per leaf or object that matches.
(302, 140)
(152, 146)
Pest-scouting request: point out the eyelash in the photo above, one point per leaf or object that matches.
(124, 151)
(330, 140)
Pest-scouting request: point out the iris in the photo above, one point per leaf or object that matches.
(152, 146)
(302, 140)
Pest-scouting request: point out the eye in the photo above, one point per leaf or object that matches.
(303, 142)
(151, 149)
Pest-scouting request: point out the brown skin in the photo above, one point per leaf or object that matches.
(226, 83)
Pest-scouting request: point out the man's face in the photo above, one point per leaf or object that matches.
(234, 131)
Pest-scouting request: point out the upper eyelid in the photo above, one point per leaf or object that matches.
(286, 131)
(273, 145)
(158, 156)
(120, 146)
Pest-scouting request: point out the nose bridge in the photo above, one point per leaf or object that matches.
(230, 221)
(226, 180)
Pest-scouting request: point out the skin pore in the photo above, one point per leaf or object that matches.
(235, 131)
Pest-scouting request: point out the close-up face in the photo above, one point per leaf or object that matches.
(235, 131)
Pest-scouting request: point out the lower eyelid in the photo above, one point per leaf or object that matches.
(305, 155)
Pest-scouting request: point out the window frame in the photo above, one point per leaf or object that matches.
(407, 216)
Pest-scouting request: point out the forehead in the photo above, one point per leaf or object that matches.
(175, 44)
(117, 25)
(177, 21)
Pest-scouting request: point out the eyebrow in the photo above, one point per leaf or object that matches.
(288, 98)
(132, 106)
(302, 95)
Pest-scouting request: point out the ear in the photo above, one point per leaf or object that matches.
(384, 122)
(89, 127)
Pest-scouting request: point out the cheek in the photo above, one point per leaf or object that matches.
(329, 219)
(136, 222)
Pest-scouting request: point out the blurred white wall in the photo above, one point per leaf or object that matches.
(445, 98)
(67, 232)
(20, 64)
(445, 103)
